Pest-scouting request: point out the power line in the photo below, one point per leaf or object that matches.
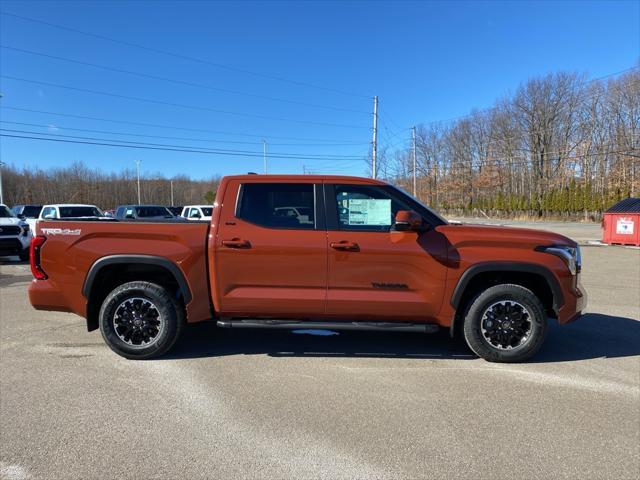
(209, 140)
(283, 154)
(172, 127)
(451, 165)
(181, 82)
(184, 57)
(164, 147)
(173, 104)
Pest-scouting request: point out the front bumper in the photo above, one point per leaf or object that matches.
(14, 245)
(575, 301)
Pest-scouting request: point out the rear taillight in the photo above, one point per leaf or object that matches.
(34, 257)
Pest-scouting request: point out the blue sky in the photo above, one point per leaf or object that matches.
(426, 61)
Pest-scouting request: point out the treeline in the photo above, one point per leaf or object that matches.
(559, 146)
(80, 184)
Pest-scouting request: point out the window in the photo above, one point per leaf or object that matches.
(207, 211)
(278, 205)
(31, 211)
(71, 212)
(149, 211)
(49, 212)
(5, 212)
(367, 207)
(194, 213)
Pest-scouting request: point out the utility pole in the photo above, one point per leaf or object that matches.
(1, 198)
(264, 155)
(415, 188)
(171, 183)
(374, 150)
(138, 172)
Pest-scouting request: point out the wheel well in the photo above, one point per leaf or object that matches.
(110, 276)
(481, 281)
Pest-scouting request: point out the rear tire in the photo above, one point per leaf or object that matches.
(505, 323)
(141, 320)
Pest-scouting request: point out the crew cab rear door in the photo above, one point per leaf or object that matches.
(269, 261)
(375, 272)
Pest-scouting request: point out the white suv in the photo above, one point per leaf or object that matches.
(15, 234)
(197, 212)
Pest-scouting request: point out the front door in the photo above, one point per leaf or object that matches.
(374, 272)
(271, 250)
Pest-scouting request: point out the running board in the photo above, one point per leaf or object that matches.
(296, 324)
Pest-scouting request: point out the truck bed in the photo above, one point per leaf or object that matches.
(73, 247)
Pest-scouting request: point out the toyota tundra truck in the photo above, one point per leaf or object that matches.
(363, 254)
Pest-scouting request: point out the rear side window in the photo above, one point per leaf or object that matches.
(71, 212)
(153, 211)
(278, 205)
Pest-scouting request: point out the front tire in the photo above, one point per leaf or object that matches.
(505, 323)
(141, 320)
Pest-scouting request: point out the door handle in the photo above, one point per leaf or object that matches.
(345, 245)
(236, 243)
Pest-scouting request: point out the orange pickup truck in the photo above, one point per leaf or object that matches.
(308, 251)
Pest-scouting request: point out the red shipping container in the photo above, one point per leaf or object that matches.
(621, 223)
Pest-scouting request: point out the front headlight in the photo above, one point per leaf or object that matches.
(571, 256)
(25, 230)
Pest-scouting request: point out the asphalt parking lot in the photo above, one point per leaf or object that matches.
(256, 404)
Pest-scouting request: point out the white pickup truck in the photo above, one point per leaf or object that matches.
(197, 212)
(69, 210)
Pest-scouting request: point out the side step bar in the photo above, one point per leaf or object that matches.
(296, 324)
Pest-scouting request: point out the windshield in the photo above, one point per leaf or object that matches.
(71, 212)
(5, 212)
(207, 211)
(31, 211)
(153, 212)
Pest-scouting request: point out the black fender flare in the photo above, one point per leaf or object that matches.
(472, 271)
(163, 262)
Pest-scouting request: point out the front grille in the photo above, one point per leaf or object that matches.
(10, 245)
(9, 230)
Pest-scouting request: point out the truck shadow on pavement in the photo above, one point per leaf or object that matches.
(593, 336)
(204, 340)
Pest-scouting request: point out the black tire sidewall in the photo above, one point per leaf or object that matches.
(168, 308)
(473, 334)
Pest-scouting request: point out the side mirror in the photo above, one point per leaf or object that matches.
(407, 221)
(22, 217)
